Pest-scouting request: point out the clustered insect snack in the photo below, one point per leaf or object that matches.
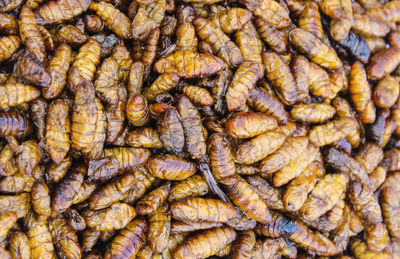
(161, 129)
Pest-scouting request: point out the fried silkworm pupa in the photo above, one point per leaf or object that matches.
(15, 94)
(312, 240)
(93, 23)
(31, 69)
(370, 155)
(357, 45)
(41, 199)
(65, 238)
(262, 101)
(271, 195)
(184, 227)
(7, 220)
(386, 92)
(193, 186)
(273, 12)
(9, 25)
(249, 124)
(324, 196)
(290, 149)
(270, 35)
(137, 110)
(8, 165)
(19, 245)
(246, 198)
(47, 38)
(280, 76)
(71, 35)
(258, 148)
(128, 241)
(219, 151)
(28, 155)
(40, 238)
(114, 19)
(244, 245)
(84, 66)
(280, 226)
(205, 243)
(106, 82)
(376, 237)
(9, 45)
(310, 19)
(201, 209)
(89, 239)
(192, 128)
(150, 50)
(66, 190)
(111, 192)
(198, 95)
(230, 20)
(315, 49)
(159, 228)
(163, 84)
(58, 127)
(30, 34)
(55, 172)
(364, 202)
(249, 43)
(186, 37)
(38, 112)
(19, 204)
(389, 205)
(220, 43)
(360, 250)
(15, 124)
(170, 167)
(143, 137)
(128, 158)
(135, 79)
(75, 220)
(332, 131)
(383, 63)
(117, 216)
(147, 18)
(115, 118)
(181, 62)
(61, 10)
(88, 122)
(171, 131)
(153, 200)
(312, 113)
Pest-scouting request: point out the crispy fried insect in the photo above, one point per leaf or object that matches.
(247, 169)
(310, 19)
(386, 92)
(153, 200)
(390, 204)
(246, 198)
(71, 35)
(30, 34)
(32, 70)
(171, 131)
(288, 152)
(243, 245)
(14, 94)
(9, 5)
(369, 26)
(312, 113)
(383, 63)
(296, 166)
(370, 155)
(115, 117)
(280, 76)
(89, 239)
(93, 23)
(65, 238)
(84, 66)
(150, 50)
(258, 148)
(332, 131)
(324, 196)
(159, 229)
(61, 10)
(28, 155)
(357, 45)
(340, 28)
(8, 46)
(19, 246)
(7, 162)
(312, 240)
(129, 240)
(375, 44)
(143, 137)
(305, 75)
(88, 122)
(128, 158)
(178, 227)
(40, 239)
(377, 177)
(198, 95)
(55, 172)
(84, 192)
(38, 112)
(147, 18)
(344, 163)
(315, 49)
(47, 38)
(205, 243)
(111, 192)
(137, 110)
(222, 163)
(189, 64)
(122, 55)
(270, 35)
(262, 101)
(41, 198)
(19, 203)
(66, 190)
(249, 124)
(392, 159)
(58, 128)
(7, 220)
(364, 202)
(360, 250)
(389, 12)
(135, 80)
(191, 187)
(164, 83)
(376, 237)
(115, 20)
(75, 220)
(117, 216)
(103, 169)
(15, 124)
(170, 167)
(271, 195)
(220, 43)
(144, 180)
(58, 68)
(249, 43)
(186, 37)
(230, 20)
(279, 226)
(272, 12)
(8, 24)
(16, 183)
(201, 209)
